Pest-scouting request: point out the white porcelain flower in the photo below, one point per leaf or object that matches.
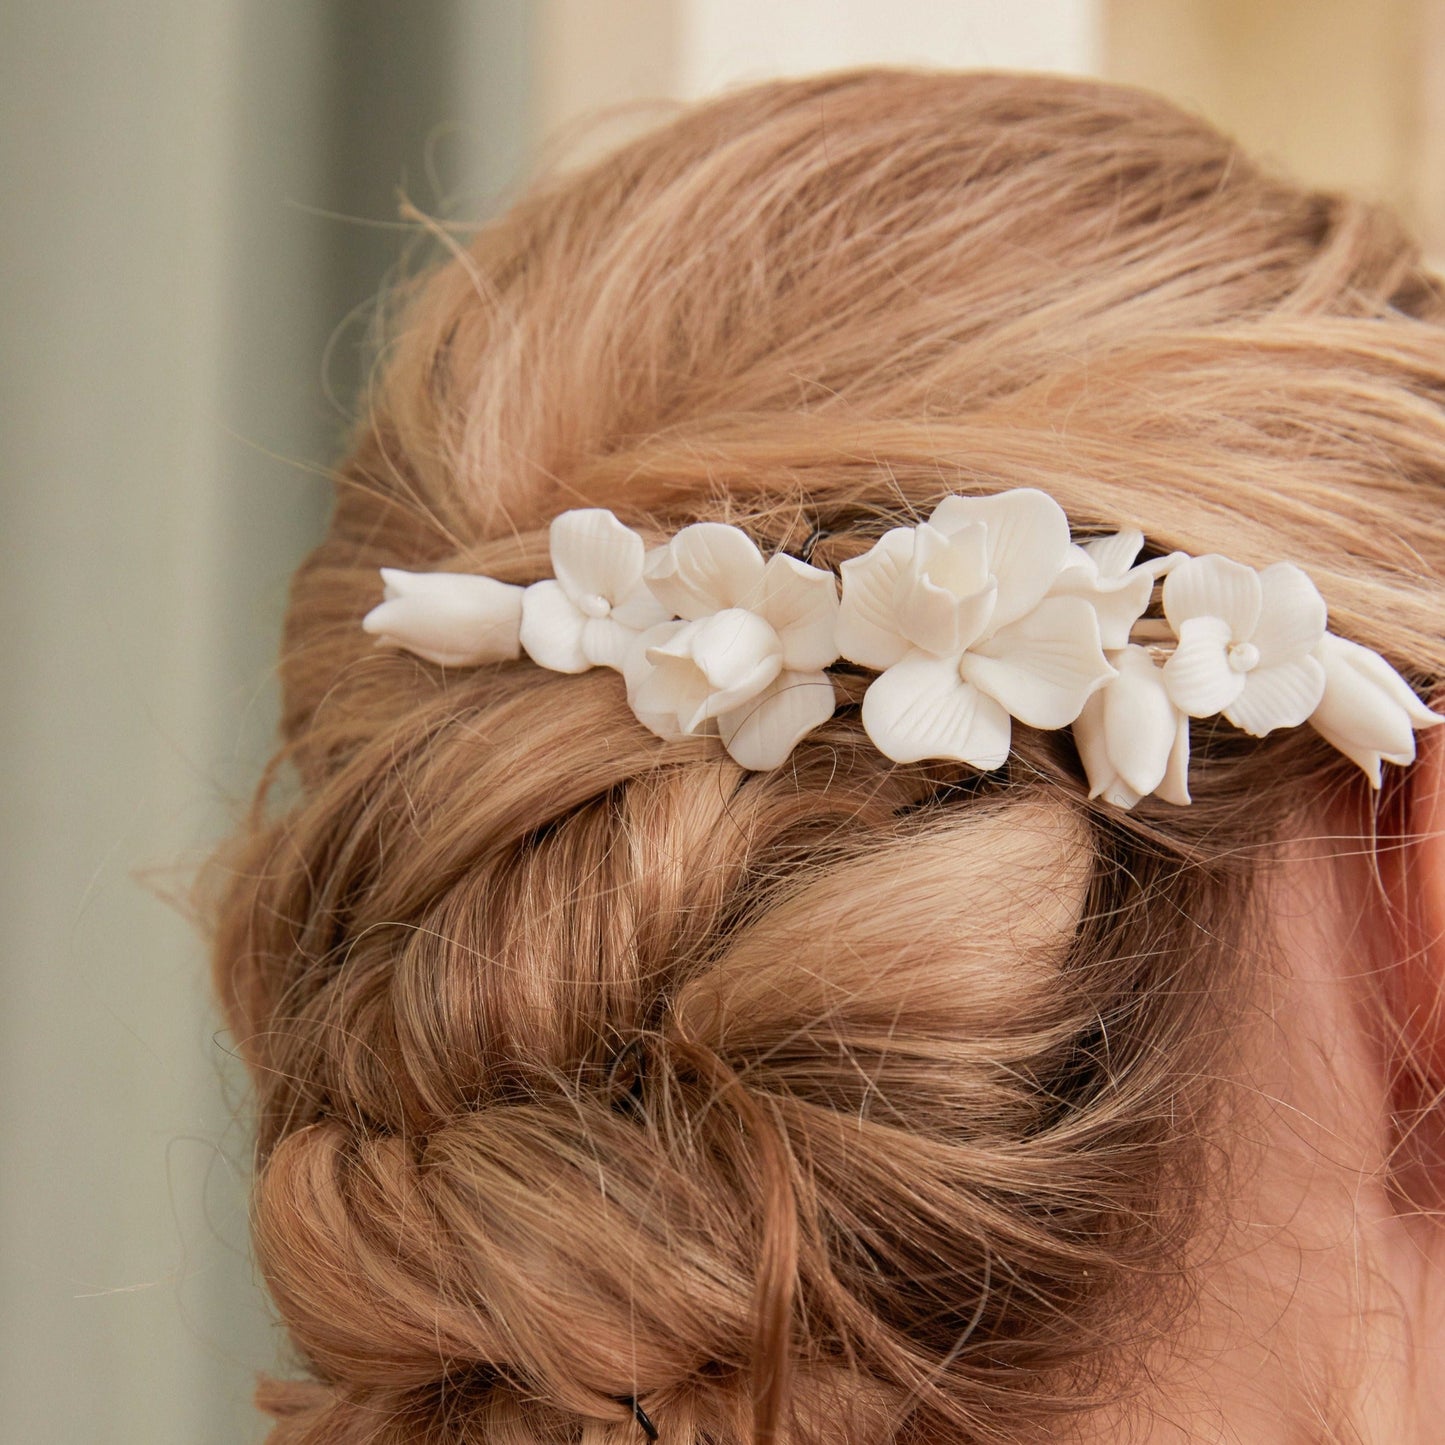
(452, 618)
(596, 602)
(1103, 572)
(1247, 642)
(1132, 739)
(955, 615)
(1368, 711)
(747, 657)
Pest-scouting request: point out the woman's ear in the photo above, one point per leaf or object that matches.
(1422, 906)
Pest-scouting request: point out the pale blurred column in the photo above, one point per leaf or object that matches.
(1429, 161)
(1347, 93)
(592, 54)
(1340, 93)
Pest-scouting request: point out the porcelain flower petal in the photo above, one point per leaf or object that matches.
(945, 597)
(921, 708)
(636, 670)
(1284, 686)
(1113, 557)
(1198, 675)
(707, 567)
(746, 624)
(762, 732)
(451, 618)
(868, 631)
(1292, 615)
(559, 635)
(638, 609)
(596, 560)
(1103, 571)
(587, 615)
(968, 590)
(605, 640)
(977, 565)
(800, 603)
(709, 667)
(1027, 544)
(1042, 668)
(1368, 711)
(1278, 697)
(1132, 739)
(553, 627)
(1246, 642)
(1213, 586)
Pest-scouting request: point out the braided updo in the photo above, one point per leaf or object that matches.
(849, 1102)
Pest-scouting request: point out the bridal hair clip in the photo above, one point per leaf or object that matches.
(986, 613)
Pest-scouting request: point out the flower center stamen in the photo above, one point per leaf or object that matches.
(594, 605)
(1243, 657)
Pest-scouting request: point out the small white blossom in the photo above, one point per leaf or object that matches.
(596, 602)
(1247, 642)
(452, 618)
(1368, 711)
(747, 657)
(1132, 739)
(956, 616)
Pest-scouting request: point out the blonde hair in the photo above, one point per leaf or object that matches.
(851, 1101)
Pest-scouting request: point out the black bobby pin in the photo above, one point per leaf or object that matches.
(805, 553)
(648, 1428)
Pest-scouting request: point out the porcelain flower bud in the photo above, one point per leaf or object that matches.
(1104, 572)
(747, 657)
(1368, 711)
(588, 613)
(451, 618)
(955, 615)
(1247, 642)
(1132, 739)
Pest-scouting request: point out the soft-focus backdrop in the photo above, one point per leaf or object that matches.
(198, 205)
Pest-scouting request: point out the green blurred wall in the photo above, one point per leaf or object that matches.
(183, 306)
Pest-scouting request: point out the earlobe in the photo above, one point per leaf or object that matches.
(1422, 905)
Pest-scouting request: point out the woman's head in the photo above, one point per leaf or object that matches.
(848, 1101)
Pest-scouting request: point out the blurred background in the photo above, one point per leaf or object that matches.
(198, 206)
